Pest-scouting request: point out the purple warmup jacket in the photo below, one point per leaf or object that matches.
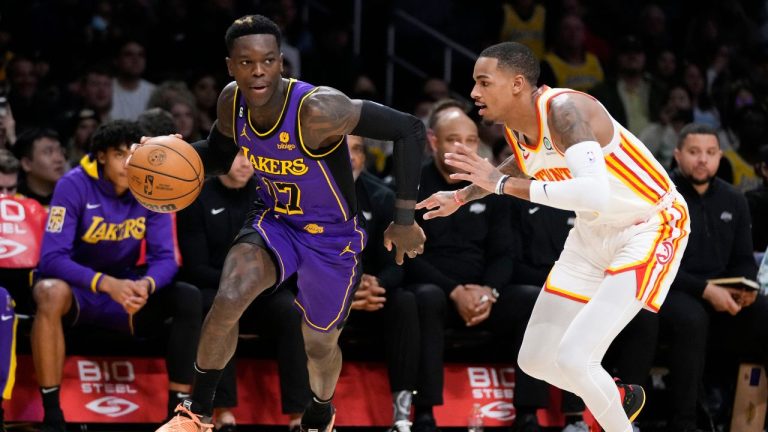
(91, 232)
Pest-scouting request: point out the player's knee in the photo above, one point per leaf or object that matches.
(530, 363)
(320, 347)
(51, 295)
(230, 298)
(571, 360)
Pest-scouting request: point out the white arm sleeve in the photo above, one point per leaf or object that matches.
(587, 190)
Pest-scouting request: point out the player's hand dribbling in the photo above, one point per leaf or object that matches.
(407, 240)
(440, 204)
(142, 141)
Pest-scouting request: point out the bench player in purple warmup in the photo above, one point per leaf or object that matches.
(293, 134)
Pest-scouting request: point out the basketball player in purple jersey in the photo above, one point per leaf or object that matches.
(293, 134)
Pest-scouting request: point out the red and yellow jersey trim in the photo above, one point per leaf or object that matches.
(649, 278)
(628, 164)
(512, 141)
(680, 226)
(548, 287)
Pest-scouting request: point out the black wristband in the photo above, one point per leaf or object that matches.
(404, 216)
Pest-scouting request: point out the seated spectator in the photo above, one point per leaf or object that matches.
(462, 281)
(7, 124)
(176, 98)
(633, 98)
(704, 110)
(86, 122)
(569, 64)
(524, 23)
(131, 91)
(697, 312)
(661, 135)
(96, 91)
(758, 204)
(205, 89)
(88, 274)
(42, 163)
(206, 231)
(384, 306)
(156, 122)
(32, 106)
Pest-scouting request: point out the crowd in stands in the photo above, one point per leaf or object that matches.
(81, 81)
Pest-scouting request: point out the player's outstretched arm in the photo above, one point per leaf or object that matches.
(218, 151)
(328, 114)
(445, 203)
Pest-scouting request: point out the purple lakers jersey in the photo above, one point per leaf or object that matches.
(307, 188)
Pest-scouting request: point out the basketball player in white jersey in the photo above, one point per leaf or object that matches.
(630, 233)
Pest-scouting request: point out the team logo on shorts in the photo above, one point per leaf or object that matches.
(664, 252)
(56, 219)
(313, 228)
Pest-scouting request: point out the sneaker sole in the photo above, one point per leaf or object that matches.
(636, 413)
(330, 425)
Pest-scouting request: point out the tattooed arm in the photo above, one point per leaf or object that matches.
(328, 114)
(567, 120)
(573, 122)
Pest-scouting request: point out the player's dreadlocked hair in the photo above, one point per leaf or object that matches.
(248, 25)
(517, 57)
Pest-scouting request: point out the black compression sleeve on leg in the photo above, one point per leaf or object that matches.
(217, 152)
(408, 133)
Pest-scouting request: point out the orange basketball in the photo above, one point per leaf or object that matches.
(165, 174)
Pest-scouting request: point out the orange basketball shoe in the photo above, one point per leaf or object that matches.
(185, 421)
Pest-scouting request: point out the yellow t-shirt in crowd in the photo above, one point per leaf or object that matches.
(527, 32)
(578, 77)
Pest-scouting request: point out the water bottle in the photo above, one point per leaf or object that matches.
(475, 420)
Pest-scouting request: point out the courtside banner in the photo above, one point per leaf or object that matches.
(21, 232)
(134, 390)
